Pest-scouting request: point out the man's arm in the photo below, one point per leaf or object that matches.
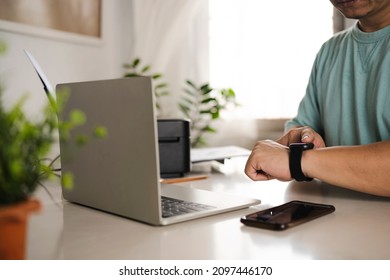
(364, 168)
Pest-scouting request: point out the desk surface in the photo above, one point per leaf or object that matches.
(358, 229)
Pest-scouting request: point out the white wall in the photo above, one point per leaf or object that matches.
(172, 37)
(66, 60)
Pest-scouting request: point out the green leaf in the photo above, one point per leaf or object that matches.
(156, 76)
(15, 167)
(208, 100)
(163, 85)
(67, 180)
(164, 93)
(191, 84)
(131, 75)
(215, 115)
(100, 132)
(136, 61)
(185, 109)
(205, 87)
(231, 93)
(209, 129)
(145, 69)
(77, 117)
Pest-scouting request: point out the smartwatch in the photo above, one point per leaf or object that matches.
(296, 150)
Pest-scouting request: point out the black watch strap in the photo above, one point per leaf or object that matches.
(296, 150)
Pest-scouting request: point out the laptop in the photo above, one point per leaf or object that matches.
(120, 174)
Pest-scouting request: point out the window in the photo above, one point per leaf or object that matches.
(264, 50)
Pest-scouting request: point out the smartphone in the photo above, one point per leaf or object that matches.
(287, 215)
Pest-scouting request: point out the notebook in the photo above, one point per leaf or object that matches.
(120, 174)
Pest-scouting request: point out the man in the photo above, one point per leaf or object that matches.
(345, 112)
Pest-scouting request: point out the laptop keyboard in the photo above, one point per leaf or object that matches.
(173, 207)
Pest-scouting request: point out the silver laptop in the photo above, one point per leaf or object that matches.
(120, 174)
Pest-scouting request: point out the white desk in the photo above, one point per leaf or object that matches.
(358, 229)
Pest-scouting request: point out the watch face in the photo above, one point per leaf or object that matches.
(308, 146)
(302, 146)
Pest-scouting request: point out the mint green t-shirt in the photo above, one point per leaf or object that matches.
(347, 99)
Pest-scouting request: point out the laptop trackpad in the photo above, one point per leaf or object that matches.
(216, 199)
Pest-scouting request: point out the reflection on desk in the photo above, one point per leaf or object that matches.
(358, 229)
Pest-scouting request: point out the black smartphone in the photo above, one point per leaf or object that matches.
(287, 215)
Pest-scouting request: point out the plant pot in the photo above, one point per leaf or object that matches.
(13, 228)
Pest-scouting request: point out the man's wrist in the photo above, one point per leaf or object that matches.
(295, 160)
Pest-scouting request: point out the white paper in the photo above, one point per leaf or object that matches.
(217, 153)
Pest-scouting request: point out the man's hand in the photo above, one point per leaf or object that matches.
(268, 160)
(303, 134)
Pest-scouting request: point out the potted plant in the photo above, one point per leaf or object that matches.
(202, 105)
(24, 149)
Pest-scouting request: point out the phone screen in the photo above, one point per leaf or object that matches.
(287, 215)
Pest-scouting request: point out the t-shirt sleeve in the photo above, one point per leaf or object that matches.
(309, 107)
